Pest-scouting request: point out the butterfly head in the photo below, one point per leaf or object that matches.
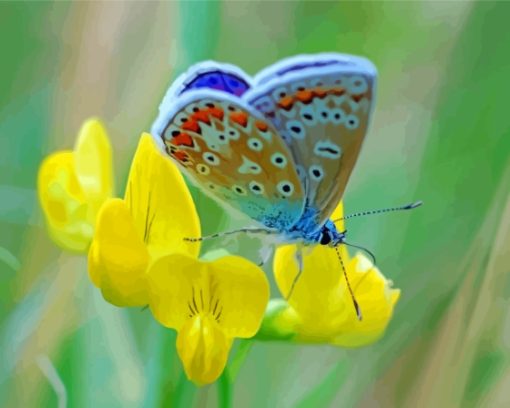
(330, 236)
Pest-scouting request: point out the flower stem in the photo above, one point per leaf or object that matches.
(224, 390)
(230, 373)
(244, 348)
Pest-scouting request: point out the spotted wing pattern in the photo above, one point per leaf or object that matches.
(321, 106)
(228, 149)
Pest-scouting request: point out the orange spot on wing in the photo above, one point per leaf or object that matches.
(304, 96)
(201, 116)
(191, 125)
(183, 139)
(357, 98)
(262, 126)
(217, 113)
(321, 93)
(337, 91)
(180, 155)
(286, 102)
(240, 118)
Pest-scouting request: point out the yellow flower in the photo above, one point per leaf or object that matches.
(208, 303)
(320, 309)
(72, 185)
(152, 220)
(138, 256)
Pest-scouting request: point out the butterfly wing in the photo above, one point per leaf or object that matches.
(321, 106)
(229, 150)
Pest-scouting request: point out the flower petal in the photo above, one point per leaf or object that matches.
(314, 297)
(118, 258)
(232, 290)
(161, 203)
(174, 283)
(63, 202)
(93, 163)
(376, 299)
(203, 349)
(243, 293)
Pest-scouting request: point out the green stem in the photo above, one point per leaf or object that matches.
(224, 390)
(230, 373)
(244, 348)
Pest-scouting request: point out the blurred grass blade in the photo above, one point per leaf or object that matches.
(54, 379)
(7, 258)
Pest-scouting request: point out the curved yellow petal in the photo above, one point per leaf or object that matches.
(377, 300)
(93, 163)
(232, 290)
(315, 296)
(161, 203)
(242, 291)
(118, 258)
(63, 202)
(203, 349)
(174, 283)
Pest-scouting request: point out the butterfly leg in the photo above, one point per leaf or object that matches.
(226, 233)
(299, 260)
(265, 253)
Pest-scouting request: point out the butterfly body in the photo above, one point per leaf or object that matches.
(280, 147)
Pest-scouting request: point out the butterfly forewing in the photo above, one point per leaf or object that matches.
(234, 154)
(321, 107)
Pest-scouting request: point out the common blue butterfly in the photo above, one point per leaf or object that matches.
(280, 146)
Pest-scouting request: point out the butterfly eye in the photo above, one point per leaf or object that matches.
(211, 158)
(351, 122)
(286, 188)
(278, 160)
(256, 188)
(357, 85)
(255, 144)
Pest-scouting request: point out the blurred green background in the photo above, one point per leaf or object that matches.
(441, 134)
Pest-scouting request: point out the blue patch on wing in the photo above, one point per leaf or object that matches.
(220, 81)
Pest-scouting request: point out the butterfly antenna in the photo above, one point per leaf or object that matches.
(411, 206)
(367, 251)
(354, 302)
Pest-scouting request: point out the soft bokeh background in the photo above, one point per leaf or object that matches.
(441, 133)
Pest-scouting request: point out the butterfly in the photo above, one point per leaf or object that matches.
(278, 147)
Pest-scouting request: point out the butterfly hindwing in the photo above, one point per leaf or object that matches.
(321, 107)
(234, 154)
